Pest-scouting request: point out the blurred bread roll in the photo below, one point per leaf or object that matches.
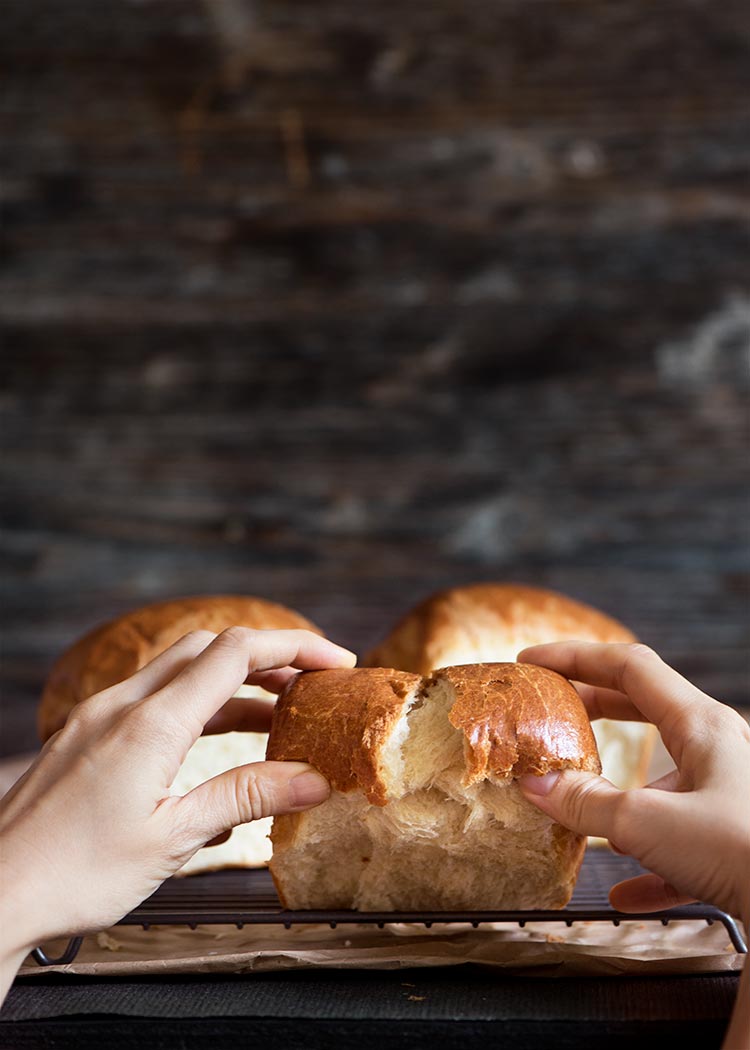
(491, 622)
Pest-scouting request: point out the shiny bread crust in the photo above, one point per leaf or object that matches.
(113, 651)
(461, 616)
(516, 719)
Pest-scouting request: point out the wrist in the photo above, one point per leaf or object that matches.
(10, 963)
(16, 941)
(22, 913)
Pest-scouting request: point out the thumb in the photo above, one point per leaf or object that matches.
(584, 802)
(246, 793)
(647, 893)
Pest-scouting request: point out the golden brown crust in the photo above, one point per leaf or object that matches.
(487, 622)
(519, 719)
(338, 721)
(516, 719)
(115, 650)
(462, 616)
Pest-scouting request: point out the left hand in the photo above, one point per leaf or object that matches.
(91, 830)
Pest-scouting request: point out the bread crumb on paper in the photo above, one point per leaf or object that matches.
(106, 940)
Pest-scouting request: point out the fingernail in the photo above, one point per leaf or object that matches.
(308, 789)
(538, 785)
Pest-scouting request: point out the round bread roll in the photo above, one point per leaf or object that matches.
(425, 812)
(115, 650)
(487, 622)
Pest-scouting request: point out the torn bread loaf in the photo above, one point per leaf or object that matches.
(491, 621)
(115, 650)
(425, 812)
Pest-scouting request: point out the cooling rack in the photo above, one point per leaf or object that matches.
(248, 897)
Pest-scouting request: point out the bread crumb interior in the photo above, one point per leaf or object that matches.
(437, 843)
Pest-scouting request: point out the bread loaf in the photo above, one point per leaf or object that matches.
(494, 622)
(116, 650)
(425, 811)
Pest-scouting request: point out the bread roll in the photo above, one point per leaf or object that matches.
(116, 650)
(425, 812)
(494, 622)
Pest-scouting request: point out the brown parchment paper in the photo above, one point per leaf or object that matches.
(543, 949)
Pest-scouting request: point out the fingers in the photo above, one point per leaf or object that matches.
(633, 822)
(584, 802)
(161, 670)
(646, 893)
(608, 703)
(241, 714)
(273, 681)
(655, 689)
(261, 789)
(205, 685)
(251, 714)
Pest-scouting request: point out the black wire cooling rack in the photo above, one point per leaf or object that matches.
(248, 897)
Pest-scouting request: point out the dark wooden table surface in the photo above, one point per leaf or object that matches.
(337, 304)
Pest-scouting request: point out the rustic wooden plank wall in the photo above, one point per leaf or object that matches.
(340, 303)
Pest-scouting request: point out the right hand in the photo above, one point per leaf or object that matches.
(690, 828)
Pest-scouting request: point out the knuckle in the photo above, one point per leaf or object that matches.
(672, 896)
(682, 724)
(236, 638)
(713, 721)
(640, 649)
(52, 743)
(578, 800)
(141, 724)
(253, 797)
(715, 729)
(731, 721)
(83, 716)
(635, 653)
(627, 814)
(59, 744)
(697, 727)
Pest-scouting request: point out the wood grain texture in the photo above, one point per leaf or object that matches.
(338, 304)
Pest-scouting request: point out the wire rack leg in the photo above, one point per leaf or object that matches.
(735, 936)
(67, 956)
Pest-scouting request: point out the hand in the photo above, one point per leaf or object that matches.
(690, 827)
(91, 830)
